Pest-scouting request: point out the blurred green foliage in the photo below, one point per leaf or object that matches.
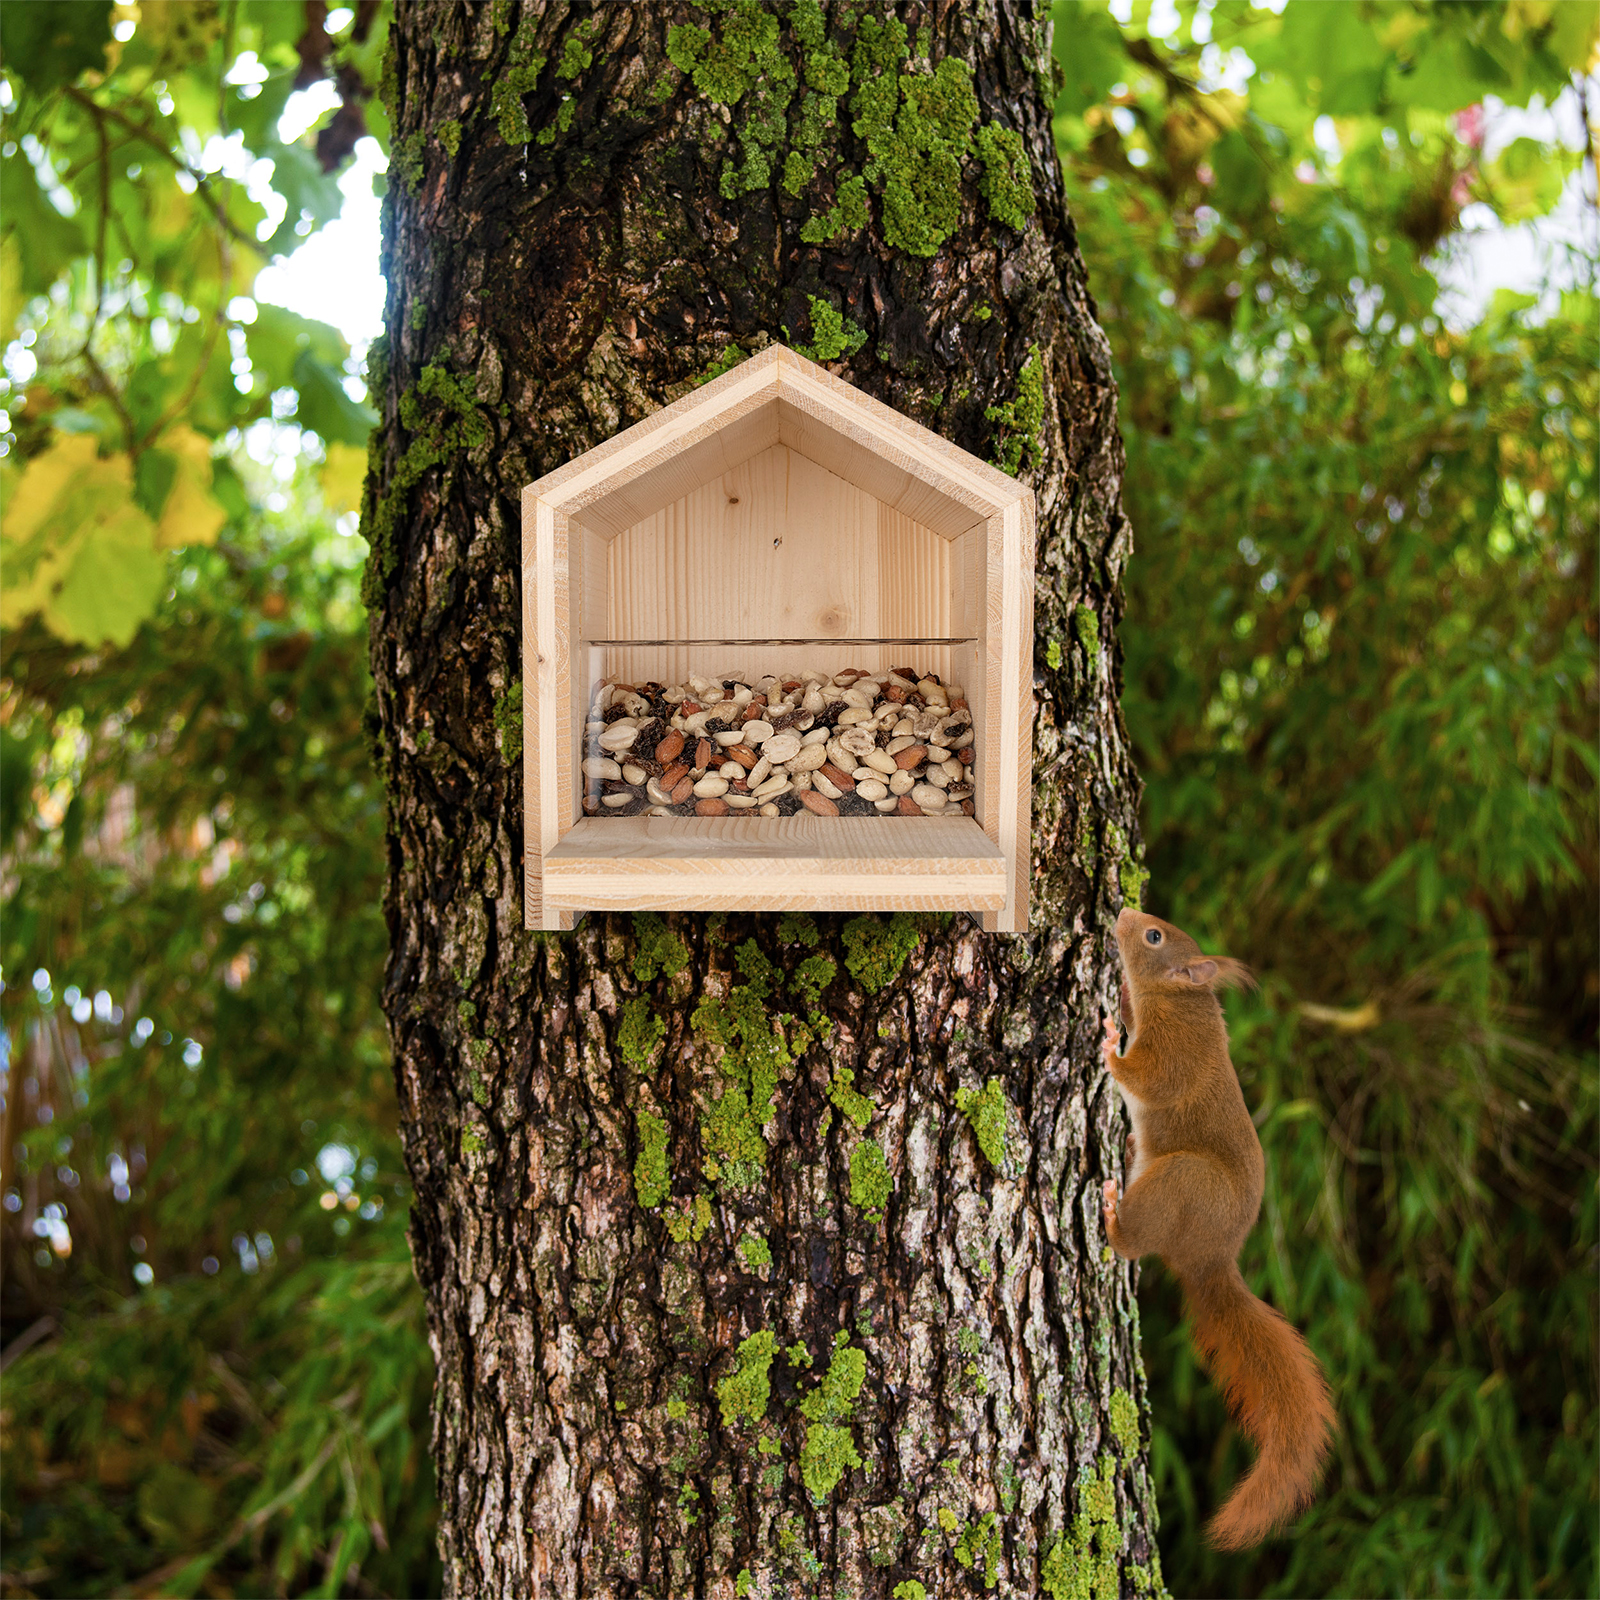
(205, 1196)
(217, 1377)
(1360, 679)
(1360, 663)
(146, 184)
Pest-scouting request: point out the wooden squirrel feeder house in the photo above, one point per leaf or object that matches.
(773, 535)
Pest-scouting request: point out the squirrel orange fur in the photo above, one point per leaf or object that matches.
(1195, 1175)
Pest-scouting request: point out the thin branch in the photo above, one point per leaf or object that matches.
(200, 180)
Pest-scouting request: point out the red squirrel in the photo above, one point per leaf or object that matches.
(1195, 1173)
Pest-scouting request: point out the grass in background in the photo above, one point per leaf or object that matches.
(1360, 679)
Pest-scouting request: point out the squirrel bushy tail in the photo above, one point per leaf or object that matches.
(1277, 1393)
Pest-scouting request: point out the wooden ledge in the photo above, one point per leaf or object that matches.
(775, 864)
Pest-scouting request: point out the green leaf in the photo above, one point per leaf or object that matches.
(298, 176)
(46, 242)
(1088, 44)
(1526, 179)
(278, 338)
(48, 44)
(325, 408)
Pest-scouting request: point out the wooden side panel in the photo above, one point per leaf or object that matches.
(532, 723)
(593, 593)
(1010, 701)
(547, 689)
(964, 577)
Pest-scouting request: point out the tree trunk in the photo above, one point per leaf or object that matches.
(679, 1354)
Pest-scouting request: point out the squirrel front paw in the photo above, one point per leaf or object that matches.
(1108, 1202)
(1113, 1037)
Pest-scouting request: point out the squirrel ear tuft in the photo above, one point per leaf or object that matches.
(1230, 974)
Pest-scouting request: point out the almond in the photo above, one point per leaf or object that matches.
(682, 790)
(912, 756)
(670, 748)
(669, 778)
(703, 752)
(840, 780)
(743, 754)
(818, 803)
(711, 808)
(907, 807)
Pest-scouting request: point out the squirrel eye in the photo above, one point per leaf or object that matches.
(1153, 936)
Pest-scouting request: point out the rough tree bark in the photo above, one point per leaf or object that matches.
(678, 1354)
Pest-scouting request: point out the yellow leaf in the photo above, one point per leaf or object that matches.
(343, 474)
(75, 546)
(190, 515)
(12, 299)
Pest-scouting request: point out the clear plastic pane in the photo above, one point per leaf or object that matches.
(772, 728)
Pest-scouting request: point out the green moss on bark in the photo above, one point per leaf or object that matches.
(829, 1450)
(876, 950)
(508, 721)
(754, 1053)
(726, 362)
(640, 1033)
(1087, 623)
(692, 1220)
(1019, 440)
(832, 334)
(811, 977)
(986, 1109)
(1083, 1564)
(918, 130)
(870, 1183)
(1125, 1422)
(797, 928)
(660, 950)
(978, 1549)
(847, 214)
(744, 1393)
(519, 77)
(856, 1106)
(442, 416)
(1007, 180)
(652, 1178)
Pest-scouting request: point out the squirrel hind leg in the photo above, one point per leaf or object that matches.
(1179, 1201)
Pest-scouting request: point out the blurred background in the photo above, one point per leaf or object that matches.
(1346, 258)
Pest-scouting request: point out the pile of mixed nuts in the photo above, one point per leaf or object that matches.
(858, 744)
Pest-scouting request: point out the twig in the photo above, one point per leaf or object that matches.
(26, 1340)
